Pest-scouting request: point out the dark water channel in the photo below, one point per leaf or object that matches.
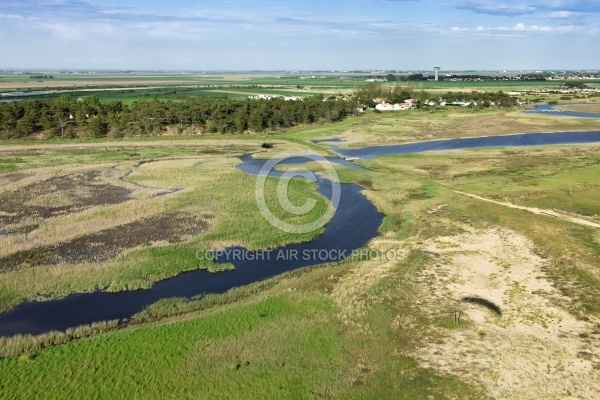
(355, 222)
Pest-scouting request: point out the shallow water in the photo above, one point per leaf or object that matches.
(253, 166)
(551, 109)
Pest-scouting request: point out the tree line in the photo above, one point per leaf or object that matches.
(87, 116)
(366, 94)
(485, 99)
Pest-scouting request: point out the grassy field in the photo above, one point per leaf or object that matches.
(130, 94)
(363, 328)
(285, 346)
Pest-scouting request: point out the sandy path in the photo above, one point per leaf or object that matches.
(536, 210)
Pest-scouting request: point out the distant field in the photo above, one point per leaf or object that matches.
(131, 87)
(163, 85)
(258, 90)
(126, 95)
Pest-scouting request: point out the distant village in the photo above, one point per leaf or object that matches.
(457, 99)
(516, 99)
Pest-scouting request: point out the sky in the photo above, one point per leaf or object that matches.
(406, 35)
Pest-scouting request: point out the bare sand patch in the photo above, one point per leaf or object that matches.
(535, 349)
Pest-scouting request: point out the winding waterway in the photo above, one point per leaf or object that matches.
(355, 222)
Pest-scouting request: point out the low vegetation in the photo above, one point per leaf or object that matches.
(362, 328)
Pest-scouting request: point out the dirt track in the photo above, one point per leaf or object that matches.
(539, 211)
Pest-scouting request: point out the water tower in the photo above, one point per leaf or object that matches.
(437, 72)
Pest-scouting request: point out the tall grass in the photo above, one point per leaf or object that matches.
(287, 344)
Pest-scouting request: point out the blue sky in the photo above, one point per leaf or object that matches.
(300, 35)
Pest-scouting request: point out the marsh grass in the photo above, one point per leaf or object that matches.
(585, 108)
(270, 340)
(556, 177)
(207, 189)
(27, 345)
(414, 191)
(20, 155)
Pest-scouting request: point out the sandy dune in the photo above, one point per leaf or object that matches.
(535, 349)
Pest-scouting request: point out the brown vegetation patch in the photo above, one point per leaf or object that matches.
(58, 195)
(109, 243)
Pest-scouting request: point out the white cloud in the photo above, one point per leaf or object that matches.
(562, 8)
(61, 31)
(295, 34)
(11, 16)
(564, 15)
(518, 28)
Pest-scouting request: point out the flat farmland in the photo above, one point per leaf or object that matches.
(286, 83)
